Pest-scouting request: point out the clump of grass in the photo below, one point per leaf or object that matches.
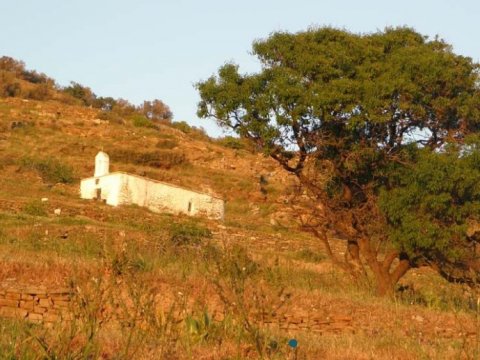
(164, 159)
(51, 170)
(166, 144)
(309, 256)
(188, 233)
(35, 208)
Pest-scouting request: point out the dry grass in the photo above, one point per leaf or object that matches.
(192, 289)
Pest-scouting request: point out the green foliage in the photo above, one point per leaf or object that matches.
(50, 169)
(188, 233)
(200, 328)
(182, 126)
(142, 121)
(35, 208)
(83, 93)
(430, 205)
(231, 142)
(341, 111)
(346, 99)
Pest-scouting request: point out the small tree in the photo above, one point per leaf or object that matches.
(156, 110)
(339, 110)
(83, 93)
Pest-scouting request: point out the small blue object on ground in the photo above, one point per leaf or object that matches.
(293, 343)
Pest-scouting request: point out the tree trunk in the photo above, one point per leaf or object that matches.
(385, 278)
(384, 286)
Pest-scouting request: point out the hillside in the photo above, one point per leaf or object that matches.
(152, 286)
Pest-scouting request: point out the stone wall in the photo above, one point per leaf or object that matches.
(37, 304)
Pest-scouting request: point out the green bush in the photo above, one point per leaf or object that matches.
(142, 121)
(188, 233)
(35, 208)
(182, 126)
(232, 142)
(50, 169)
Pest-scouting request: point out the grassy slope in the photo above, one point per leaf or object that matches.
(127, 252)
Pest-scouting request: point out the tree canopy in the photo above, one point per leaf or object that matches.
(344, 112)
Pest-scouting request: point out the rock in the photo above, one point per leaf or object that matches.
(99, 121)
(40, 309)
(36, 290)
(57, 212)
(27, 305)
(61, 304)
(13, 312)
(44, 199)
(418, 318)
(35, 317)
(12, 295)
(45, 303)
(9, 302)
(51, 317)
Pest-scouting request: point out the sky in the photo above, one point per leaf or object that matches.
(145, 49)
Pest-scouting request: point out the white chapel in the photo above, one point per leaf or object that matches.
(119, 188)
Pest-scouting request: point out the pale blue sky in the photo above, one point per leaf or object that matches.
(146, 49)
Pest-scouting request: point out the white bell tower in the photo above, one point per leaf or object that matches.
(102, 164)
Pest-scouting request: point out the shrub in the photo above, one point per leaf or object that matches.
(188, 233)
(35, 208)
(10, 90)
(39, 92)
(232, 142)
(51, 170)
(182, 126)
(158, 159)
(111, 116)
(83, 93)
(142, 121)
(167, 144)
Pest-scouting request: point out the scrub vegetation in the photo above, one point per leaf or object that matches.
(313, 232)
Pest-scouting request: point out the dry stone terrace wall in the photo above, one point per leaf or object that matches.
(37, 304)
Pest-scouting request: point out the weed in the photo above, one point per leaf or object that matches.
(237, 280)
(189, 233)
(50, 169)
(166, 144)
(35, 208)
(310, 256)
